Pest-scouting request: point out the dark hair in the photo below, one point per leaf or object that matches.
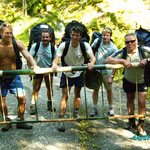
(47, 31)
(77, 29)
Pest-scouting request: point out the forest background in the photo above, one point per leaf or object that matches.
(122, 16)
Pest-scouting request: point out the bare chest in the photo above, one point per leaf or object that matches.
(7, 52)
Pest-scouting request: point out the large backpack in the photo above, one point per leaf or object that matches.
(35, 34)
(143, 36)
(85, 37)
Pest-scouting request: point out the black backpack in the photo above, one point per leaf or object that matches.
(86, 60)
(35, 34)
(85, 37)
(18, 56)
(52, 49)
(143, 36)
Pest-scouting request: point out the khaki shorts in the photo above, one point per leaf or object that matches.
(105, 78)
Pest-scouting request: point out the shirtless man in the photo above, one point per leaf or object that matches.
(8, 62)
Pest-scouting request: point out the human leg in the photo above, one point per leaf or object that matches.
(95, 100)
(49, 86)
(36, 87)
(131, 107)
(109, 91)
(141, 111)
(4, 111)
(77, 100)
(16, 88)
(20, 111)
(63, 106)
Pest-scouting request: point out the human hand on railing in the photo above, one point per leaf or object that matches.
(142, 63)
(90, 66)
(127, 64)
(54, 67)
(110, 80)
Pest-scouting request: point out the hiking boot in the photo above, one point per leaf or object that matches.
(61, 127)
(141, 130)
(76, 115)
(110, 112)
(23, 125)
(32, 109)
(49, 106)
(6, 127)
(131, 124)
(94, 112)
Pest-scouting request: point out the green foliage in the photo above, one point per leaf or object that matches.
(87, 138)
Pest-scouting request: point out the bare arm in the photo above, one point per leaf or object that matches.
(92, 61)
(55, 62)
(111, 60)
(110, 80)
(30, 61)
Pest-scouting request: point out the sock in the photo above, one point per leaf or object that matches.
(33, 102)
(141, 121)
(110, 107)
(76, 110)
(94, 106)
(61, 116)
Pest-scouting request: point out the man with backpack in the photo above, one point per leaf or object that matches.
(9, 61)
(44, 52)
(103, 48)
(132, 76)
(74, 56)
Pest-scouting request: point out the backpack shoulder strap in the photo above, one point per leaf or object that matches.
(52, 50)
(124, 56)
(83, 52)
(36, 48)
(65, 53)
(98, 44)
(18, 56)
(141, 52)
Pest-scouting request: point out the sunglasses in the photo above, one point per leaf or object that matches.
(128, 42)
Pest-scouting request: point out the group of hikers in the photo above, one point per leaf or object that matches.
(72, 53)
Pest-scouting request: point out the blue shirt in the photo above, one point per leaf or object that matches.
(103, 52)
(43, 56)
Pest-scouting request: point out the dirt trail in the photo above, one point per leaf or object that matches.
(100, 134)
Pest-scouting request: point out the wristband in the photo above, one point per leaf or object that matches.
(112, 76)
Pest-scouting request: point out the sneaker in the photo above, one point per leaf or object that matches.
(6, 127)
(141, 130)
(49, 106)
(94, 112)
(32, 109)
(76, 115)
(23, 125)
(131, 126)
(110, 112)
(61, 127)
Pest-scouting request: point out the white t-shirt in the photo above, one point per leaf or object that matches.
(74, 57)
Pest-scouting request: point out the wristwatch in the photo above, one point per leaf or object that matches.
(112, 76)
(148, 59)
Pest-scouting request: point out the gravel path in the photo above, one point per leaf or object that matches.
(90, 135)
